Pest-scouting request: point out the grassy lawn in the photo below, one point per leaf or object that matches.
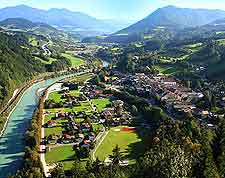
(76, 62)
(101, 103)
(85, 106)
(63, 155)
(168, 69)
(49, 117)
(55, 130)
(33, 41)
(55, 96)
(97, 127)
(131, 144)
(75, 93)
(81, 78)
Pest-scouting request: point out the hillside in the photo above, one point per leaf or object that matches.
(16, 63)
(39, 33)
(26, 25)
(174, 17)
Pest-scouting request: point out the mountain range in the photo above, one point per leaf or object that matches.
(61, 18)
(24, 24)
(174, 17)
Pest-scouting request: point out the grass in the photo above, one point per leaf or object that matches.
(49, 117)
(81, 78)
(57, 129)
(97, 62)
(63, 155)
(101, 103)
(168, 69)
(76, 62)
(56, 97)
(50, 60)
(97, 127)
(33, 41)
(194, 45)
(131, 144)
(75, 93)
(85, 106)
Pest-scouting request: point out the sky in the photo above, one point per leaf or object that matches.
(115, 9)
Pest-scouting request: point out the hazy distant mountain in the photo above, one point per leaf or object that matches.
(119, 24)
(24, 24)
(175, 17)
(58, 17)
(34, 28)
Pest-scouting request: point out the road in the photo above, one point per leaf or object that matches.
(99, 139)
(47, 52)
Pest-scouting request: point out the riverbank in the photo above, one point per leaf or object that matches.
(12, 143)
(52, 88)
(14, 100)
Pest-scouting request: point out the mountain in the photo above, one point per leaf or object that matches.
(174, 17)
(16, 63)
(24, 24)
(60, 18)
(38, 30)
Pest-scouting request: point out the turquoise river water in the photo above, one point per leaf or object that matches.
(12, 142)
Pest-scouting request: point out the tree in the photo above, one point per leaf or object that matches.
(166, 160)
(58, 172)
(221, 148)
(76, 169)
(134, 110)
(116, 155)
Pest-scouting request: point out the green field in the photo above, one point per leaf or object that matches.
(85, 106)
(57, 129)
(75, 93)
(63, 155)
(33, 41)
(49, 117)
(56, 97)
(81, 78)
(131, 144)
(101, 103)
(76, 62)
(50, 60)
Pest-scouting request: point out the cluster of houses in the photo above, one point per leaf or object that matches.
(79, 134)
(176, 97)
(82, 133)
(93, 92)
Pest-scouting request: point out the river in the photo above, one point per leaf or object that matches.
(12, 142)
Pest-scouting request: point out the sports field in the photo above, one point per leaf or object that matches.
(132, 143)
(76, 62)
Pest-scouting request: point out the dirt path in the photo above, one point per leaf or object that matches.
(99, 139)
(42, 152)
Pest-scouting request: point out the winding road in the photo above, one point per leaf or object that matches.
(47, 52)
